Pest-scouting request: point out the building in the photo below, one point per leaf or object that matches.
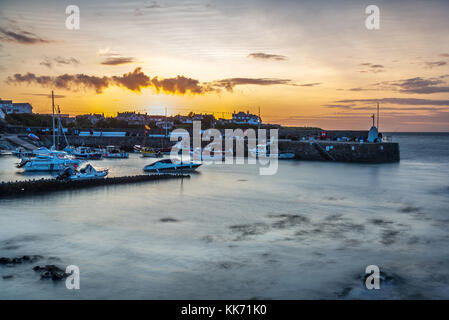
(183, 119)
(8, 107)
(246, 118)
(94, 117)
(133, 118)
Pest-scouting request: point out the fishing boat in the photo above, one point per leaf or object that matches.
(86, 173)
(87, 154)
(166, 165)
(147, 152)
(48, 162)
(114, 153)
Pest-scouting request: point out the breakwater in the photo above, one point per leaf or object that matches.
(39, 186)
(342, 151)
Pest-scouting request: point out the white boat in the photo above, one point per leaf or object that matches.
(86, 173)
(166, 165)
(45, 152)
(49, 163)
(209, 154)
(114, 153)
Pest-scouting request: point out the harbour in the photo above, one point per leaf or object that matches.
(318, 224)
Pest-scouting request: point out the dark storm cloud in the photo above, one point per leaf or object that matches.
(267, 56)
(23, 37)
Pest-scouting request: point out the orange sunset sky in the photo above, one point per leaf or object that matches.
(305, 63)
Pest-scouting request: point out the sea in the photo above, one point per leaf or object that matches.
(307, 232)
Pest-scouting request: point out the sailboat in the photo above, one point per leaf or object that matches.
(49, 160)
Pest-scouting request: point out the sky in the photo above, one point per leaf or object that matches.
(304, 63)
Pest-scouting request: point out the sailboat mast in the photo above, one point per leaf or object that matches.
(378, 116)
(53, 108)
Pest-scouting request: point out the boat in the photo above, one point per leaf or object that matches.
(48, 163)
(86, 173)
(44, 151)
(209, 154)
(137, 148)
(21, 152)
(286, 156)
(114, 153)
(166, 165)
(87, 153)
(150, 153)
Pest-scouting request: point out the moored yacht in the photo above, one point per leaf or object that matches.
(86, 173)
(48, 162)
(167, 165)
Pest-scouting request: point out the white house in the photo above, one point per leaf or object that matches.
(245, 118)
(8, 107)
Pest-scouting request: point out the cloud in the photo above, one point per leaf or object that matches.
(113, 58)
(137, 80)
(308, 84)
(420, 85)
(48, 62)
(230, 83)
(23, 37)
(339, 106)
(65, 81)
(115, 61)
(432, 64)
(107, 52)
(372, 68)
(417, 85)
(266, 56)
(153, 5)
(134, 81)
(59, 96)
(400, 101)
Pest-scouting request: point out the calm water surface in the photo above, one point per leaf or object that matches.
(307, 232)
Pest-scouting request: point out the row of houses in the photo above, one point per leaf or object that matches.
(135, 118)
(9, 107)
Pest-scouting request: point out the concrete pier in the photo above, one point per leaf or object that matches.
(40, 186)
(342, 151)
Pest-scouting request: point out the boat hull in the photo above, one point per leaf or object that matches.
(173, 169)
